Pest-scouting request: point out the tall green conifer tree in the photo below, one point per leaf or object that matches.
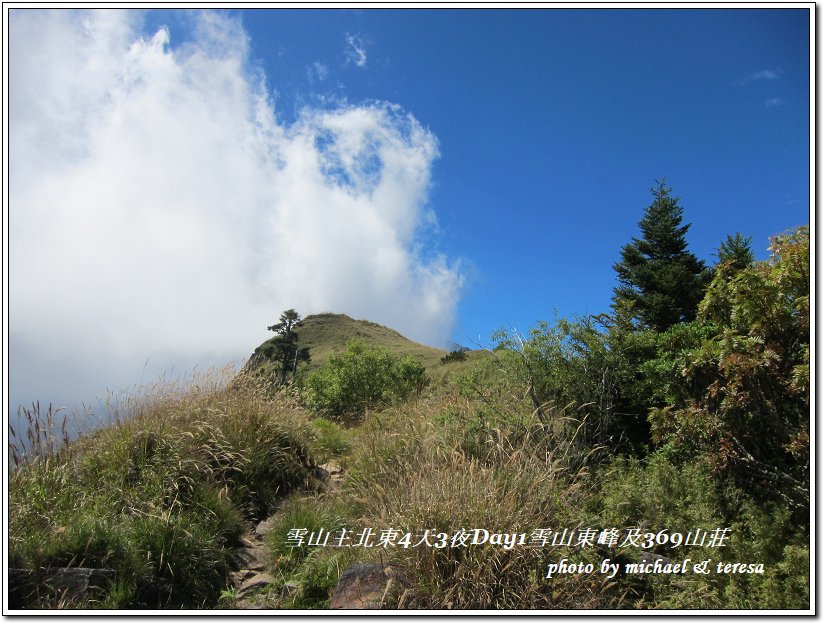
(657, 275)
(285, 349)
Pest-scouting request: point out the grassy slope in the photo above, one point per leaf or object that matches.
(325, 334)
(162, 499)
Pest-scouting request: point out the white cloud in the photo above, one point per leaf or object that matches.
(160, 210)
(766, 74)
(355, 50)
(772, 102)
(317, 71)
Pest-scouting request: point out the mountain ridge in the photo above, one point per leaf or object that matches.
(328, 332)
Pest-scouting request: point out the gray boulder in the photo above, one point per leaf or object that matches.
(366, 586)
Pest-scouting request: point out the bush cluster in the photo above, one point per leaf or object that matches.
(458, 355)
(363, 377)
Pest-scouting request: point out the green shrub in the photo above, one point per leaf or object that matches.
(743, 395)
(662, 494)
(454, 356)
(361, 378)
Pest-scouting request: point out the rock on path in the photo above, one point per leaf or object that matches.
(366, 586)
(250, 559)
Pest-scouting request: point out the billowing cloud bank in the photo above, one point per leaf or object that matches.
(160, 210)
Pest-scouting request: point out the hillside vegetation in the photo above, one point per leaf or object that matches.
(652, 432)
(325, 334)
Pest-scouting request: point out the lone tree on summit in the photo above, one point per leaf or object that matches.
(662, 280)
(285, 349)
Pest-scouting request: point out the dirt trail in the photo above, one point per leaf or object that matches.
(251, 559)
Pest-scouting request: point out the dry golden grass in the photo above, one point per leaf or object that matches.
(411, 474)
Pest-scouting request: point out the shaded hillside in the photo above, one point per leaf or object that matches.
(324, 334)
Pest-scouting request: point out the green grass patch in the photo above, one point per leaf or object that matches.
(160, 497)
(330, 440)
(304, 555)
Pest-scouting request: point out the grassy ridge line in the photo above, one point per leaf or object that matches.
(327, 333)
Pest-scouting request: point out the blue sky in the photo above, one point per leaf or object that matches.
(444, 172)
(553, 124)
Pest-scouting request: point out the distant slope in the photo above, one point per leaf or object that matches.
(324, 334)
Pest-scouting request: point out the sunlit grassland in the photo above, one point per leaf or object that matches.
(163, 494)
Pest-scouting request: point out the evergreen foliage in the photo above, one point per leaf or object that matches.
(592, 365)
(746, 385)
(735, 252)
(458, 355)
(284, 349)
(657, 274)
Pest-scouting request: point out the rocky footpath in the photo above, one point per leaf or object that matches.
(254, 588)
(361, 585)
